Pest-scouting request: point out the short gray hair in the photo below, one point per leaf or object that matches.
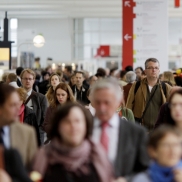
(130, 77)
(108, 83)
(154, 60)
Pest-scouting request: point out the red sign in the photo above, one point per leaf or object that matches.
(127, 36)
(103, 51)
(177, 3)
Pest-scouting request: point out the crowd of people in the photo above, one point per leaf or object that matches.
(68, 126)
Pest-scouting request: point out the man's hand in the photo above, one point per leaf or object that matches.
(4, 177)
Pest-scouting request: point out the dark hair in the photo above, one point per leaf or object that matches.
(177, 91)
(44, 73)
(112, 70)
(139, 68)
(19, 70)
(158, 134)
(122, 73)
(69, 68)
(178, 80)
(101, 72)
(154, 60)
(80, 72)
(5, 92)
(128, 68)
(63, 112)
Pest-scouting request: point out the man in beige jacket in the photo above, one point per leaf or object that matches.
(12, 133)
(148, 87)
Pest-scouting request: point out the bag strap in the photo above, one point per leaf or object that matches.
(148, 103)
(137, 87)
(1, 157)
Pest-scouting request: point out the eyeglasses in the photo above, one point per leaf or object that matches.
(27, 79)
(152, 68)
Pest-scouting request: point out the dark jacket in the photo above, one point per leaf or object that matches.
(30, 119)
(132, 154)
(48, 118)
(19, 83)
(39, 106)
(39, 103)
(164, 116)
(14, 166)
(43, 87)
(81, 96)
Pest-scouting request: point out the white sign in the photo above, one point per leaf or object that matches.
(151, 32)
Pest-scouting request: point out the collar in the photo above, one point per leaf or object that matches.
(29, 93)
(92, 109)
(113, 122)
(14, 84)
(5, 130)
(82, 88)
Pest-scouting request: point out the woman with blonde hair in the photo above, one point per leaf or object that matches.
(54, 80)
(62, 95)
(168, 77)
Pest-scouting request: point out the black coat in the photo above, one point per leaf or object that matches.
(19, 83)
(43, 87)
(81, 96)
(132, 154)
(14, 166)
(30, 119)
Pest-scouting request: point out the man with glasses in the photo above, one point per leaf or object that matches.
(146, 96)
(35, 101)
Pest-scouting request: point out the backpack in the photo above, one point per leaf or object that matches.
(138, 85)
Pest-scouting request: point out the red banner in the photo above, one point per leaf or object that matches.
(127, 36)
(177, 3)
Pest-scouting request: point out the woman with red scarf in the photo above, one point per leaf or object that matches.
(27, 115)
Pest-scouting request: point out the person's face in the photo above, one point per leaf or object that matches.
(27, 81)
(176, 108)
(8, 112)
(138, 73)
(73, 128)
(54, 81)
(73, 80)
(79, 79)
(168, 152)
(93, 80)
(49, 70)
(66, 72)
(105, 103)
(152, 70)
(61, 96)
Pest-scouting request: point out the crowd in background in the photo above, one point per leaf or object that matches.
(113, 126)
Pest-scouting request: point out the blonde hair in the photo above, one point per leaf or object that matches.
(28, 71)
(50, 92)
(67, 89)
(169, 77)
(22, 94)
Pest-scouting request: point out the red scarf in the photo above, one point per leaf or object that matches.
(21, 113)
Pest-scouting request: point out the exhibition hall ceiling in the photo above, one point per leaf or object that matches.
(26, 9)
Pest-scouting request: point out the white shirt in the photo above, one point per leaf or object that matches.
(14, 84)
(29, 104)
(113, 134)
(92, 109)
(150, 88)
(6, 136)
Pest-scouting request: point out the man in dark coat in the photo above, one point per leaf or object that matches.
(124, 142)
(80, 90)
(35, 101)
